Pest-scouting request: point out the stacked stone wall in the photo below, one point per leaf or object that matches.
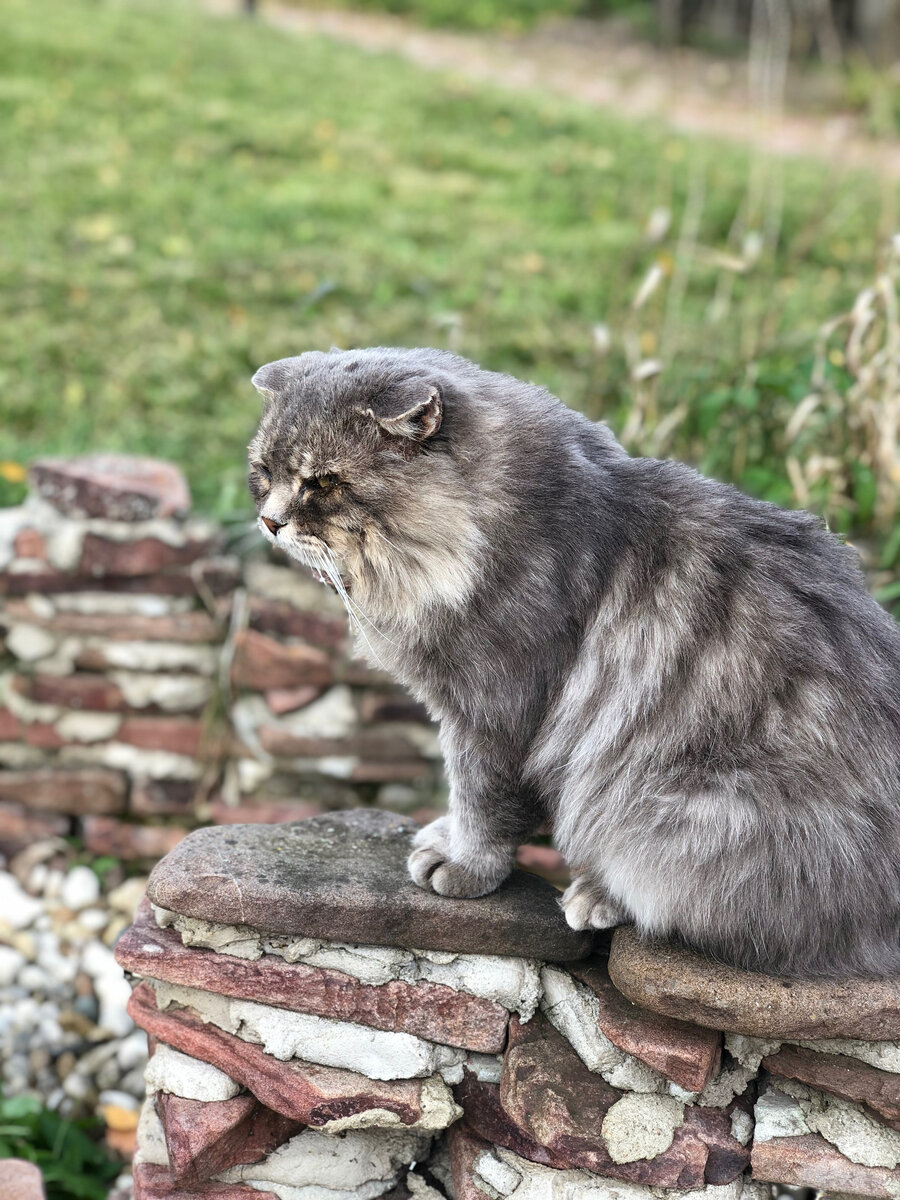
(151, 682)
(322, 1029)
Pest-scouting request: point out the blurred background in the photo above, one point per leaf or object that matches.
(680, 216)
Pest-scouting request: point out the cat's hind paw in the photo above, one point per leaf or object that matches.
(587, 905)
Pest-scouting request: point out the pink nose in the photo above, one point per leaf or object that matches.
(273, 526)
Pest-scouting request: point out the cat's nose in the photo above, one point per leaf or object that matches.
(273, 526)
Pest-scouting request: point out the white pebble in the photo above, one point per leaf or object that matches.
(93, 919)
(18, 908)
(11, 963)
(80, 889)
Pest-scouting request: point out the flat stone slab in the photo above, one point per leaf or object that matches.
(428, 1010)
(342, 877)
(119, 487)
(681, 984)
(153, 1182)
(809, 1161)
(203, 1139)
(302, 1091)
(839, 1075)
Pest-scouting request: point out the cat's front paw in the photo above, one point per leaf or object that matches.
(587, 905)
(433, 869)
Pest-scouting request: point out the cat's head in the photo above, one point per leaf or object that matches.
(358, 471)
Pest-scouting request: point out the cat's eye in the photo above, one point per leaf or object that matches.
(321, 482)
(262, 471)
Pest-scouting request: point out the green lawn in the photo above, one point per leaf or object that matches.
(185, 198)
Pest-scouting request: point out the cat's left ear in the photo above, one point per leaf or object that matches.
(269, 379)
(418, 423)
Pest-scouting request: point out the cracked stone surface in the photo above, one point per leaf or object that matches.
(847, 1078)
(686, 986)
(316, 1095)
(343, 877)
(432, 1011)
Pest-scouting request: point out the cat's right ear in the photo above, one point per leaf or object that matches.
(268, 380)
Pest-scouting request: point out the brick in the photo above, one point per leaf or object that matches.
(20, 825)
(809, 1161)
(397, 772)
(106, 835)
(145, 556)
(93, 692)
(181, 735)
(374, 747)
(217, 575)
(428, 1010)
(65, 790)
(465, 1147)
(286, 700)
(32, 733)
(261, 663)
(116, 486)
(131, 627)
(163, 798)
(281, 618)
(262, 812)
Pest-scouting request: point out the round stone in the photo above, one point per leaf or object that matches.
(679, 983)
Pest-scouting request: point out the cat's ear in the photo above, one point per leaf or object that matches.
(418, 423)
(268, 380)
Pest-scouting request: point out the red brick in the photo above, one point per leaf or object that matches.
(285, 700)
(465, 1149)
(93, 692)
(65, 790)
(117, 486)
(842, 1076)
(132, 627)
(374, 747)
(105, 835)
(29, 543)
(809, 1161)
(102, 556)
(180, 735)
(21, 825)
(33, 733)
(273, 812)
(281, 618)
(261, 663)
(543, 859)
(397, 772)
(217, 575)
(163, 798)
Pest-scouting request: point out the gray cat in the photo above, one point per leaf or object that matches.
(692, 687)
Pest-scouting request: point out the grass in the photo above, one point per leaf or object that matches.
(186, 198)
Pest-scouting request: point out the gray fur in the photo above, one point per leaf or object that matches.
(694, 688)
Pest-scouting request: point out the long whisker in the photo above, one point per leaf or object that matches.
(329, 568)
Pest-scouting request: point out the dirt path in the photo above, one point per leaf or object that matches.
(598, 63)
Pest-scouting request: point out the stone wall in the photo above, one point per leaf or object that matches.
(322, 1029)
(149, 682)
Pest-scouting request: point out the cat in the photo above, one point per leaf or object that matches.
(694, 688)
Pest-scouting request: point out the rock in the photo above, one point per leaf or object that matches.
(127, 897)
(116, 486)
(19, 826)
(348, 1164)
(304, 1092)
(287, 700)
(204, 1139)
(171, 1071)
(427, 1010)
(82, 790)
(11, 963)
(129, 626)
(839, 1075)
(153, 1182)
(111, 988)
(18, 908)
(20, 1180)
(80, 889)
(685, 1053)
(680, 984)
(557, 1103)
(501, 1173)
(261, 663)
(287, 1035)
(94, 692)
(809, 1161)
(181, 735)
(163, 798)
(101, 556)
(465, 1150)
(293, 879)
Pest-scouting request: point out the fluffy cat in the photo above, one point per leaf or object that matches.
(692, 687)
